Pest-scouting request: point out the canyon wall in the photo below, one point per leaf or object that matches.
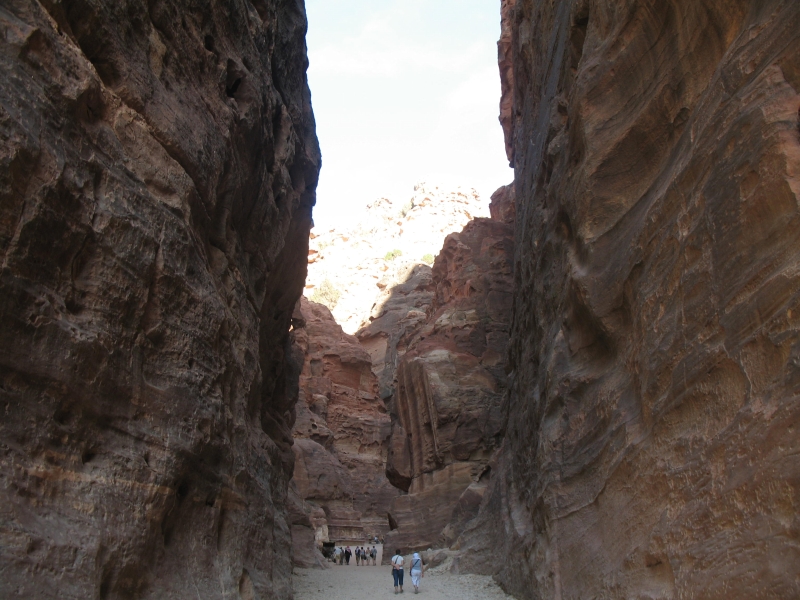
(372, 277)
(651, 444)
(449, 380)
(157, 174)
(341, 433)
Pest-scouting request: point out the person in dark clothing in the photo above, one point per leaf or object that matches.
(347, 554)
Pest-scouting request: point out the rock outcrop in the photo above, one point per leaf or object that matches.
(450, 379)
(157, 174)
(341, 433)
(352, 269)
(651, 447)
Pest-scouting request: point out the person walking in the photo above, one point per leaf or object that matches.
(364, 557)
(397, 571)
(416, 571)
(374, 554)
(347, 554)
(358, 556)
(341, 555)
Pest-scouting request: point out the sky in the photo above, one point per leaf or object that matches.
(403, 91)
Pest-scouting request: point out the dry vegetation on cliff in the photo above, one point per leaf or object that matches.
(353, 269)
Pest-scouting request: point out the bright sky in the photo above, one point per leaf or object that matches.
(403, 91)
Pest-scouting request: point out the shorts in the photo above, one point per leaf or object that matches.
(398, 576)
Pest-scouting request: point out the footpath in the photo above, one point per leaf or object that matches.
(368, 583)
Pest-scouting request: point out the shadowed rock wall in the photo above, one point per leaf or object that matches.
(651, 447)
(157, 173)
(342, 430)
(449, 383)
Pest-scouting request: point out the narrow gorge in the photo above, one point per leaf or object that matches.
(587, 387)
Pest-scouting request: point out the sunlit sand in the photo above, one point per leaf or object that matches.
(349, 582)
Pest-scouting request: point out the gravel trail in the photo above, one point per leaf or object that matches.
(368, 583)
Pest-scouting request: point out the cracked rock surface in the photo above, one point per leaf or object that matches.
(651, 446)
(157, 173)
(341, 434)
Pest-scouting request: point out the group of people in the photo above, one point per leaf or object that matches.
(342, 555)
(363, 555)
(416, 570)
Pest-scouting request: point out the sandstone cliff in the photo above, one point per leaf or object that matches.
(341, 433)
(450, 380)
(352, 269)
(157, 174)
(651, 448)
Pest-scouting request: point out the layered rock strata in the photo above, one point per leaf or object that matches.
(651, 448)
(341, 433)
(450, 379)
(157, 174)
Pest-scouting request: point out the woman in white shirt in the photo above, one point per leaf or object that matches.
(416, 571)
(397, 571)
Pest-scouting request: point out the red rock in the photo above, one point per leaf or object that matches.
(651, 448)
(450, 380)
(341, 432)
(157, 173)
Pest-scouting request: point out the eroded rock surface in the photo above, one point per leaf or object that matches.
(352, 269)
(157, 173)
(651, 448)
(450, 379)
(342, 431)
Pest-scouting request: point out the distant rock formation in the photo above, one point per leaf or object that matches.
(352, 270)
(341, 434)
(651, 447)
(157, 173)
(447, 403)
(432, 351)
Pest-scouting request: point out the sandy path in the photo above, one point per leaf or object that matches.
(367, 583)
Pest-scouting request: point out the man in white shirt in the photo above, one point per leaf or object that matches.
(397, 571)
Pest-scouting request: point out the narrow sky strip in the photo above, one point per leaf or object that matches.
(403, 91)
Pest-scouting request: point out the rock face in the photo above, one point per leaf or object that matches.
(157, 173)
(341, 433)
(352, 270)
(651, 448)
(450, 380)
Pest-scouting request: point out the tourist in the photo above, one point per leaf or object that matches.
(374, 554)
(364, 557)
(397, 571)
(416, 571)
(347, 554)
(358, 556)
(341, 555)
